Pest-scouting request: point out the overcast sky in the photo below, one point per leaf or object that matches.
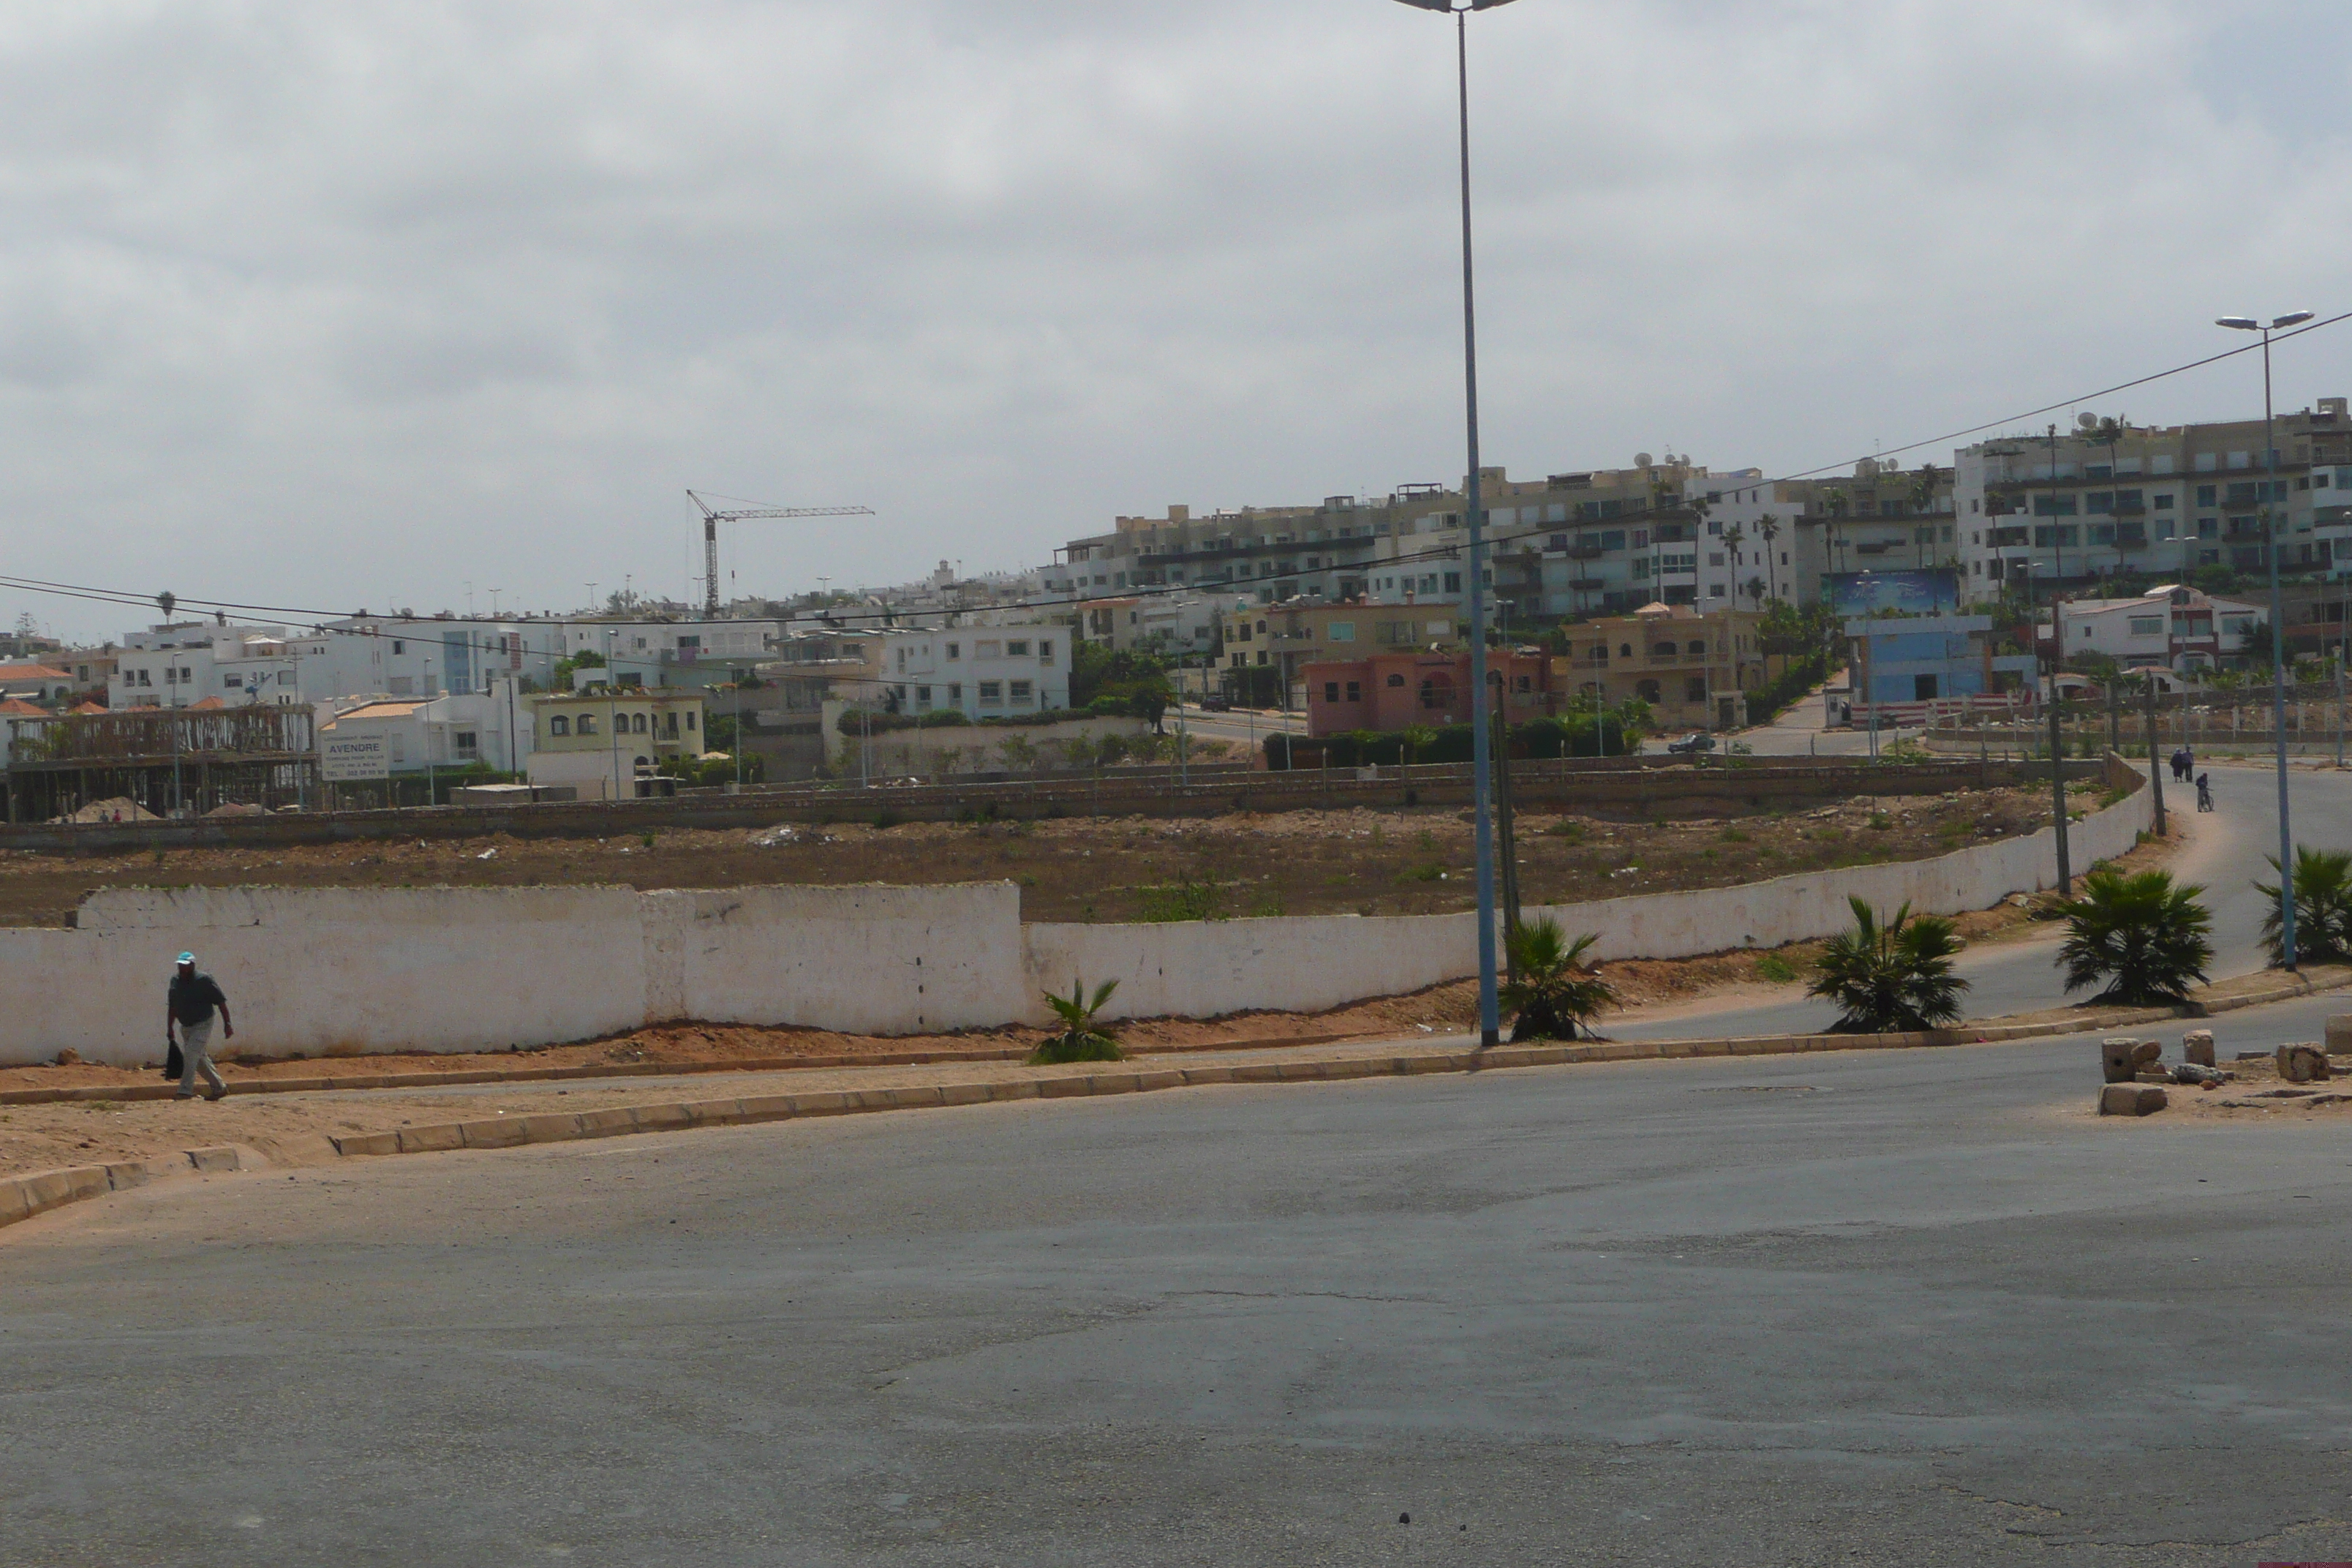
(340, 305)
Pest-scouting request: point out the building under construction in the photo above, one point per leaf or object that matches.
(172, 762)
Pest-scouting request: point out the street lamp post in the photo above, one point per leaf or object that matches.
(1490, 1030)
(2278, 623)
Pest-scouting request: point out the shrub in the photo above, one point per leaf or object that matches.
(1083, 1038)
(1776, 969)
(2144, 934)
(2323, 906)
(1891, 975)
(1556, 993)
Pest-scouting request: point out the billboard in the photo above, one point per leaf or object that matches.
(1908, 592)
(349, 758)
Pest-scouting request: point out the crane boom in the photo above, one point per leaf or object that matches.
(713, 516)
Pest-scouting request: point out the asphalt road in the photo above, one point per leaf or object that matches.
(1871, 1308)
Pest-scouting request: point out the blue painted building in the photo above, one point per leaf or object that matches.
(1906, 667)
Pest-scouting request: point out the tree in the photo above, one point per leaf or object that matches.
(1556, 992)
(1084, 1037)
(1130, 682)
(1924, 485)
(2109, 433)
(1891, 975)
(1835, 501)
(1768, 526)
(1417, 738)
(2144, 936)
(2323, 906)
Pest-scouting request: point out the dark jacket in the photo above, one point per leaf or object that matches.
(193, 997)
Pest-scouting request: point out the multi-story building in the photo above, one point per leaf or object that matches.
(1290, 635)
(1694, 670)
(982, 671)
(1174, 624)
(607, 741)
(454, 730)
(2177, 627)
(1397, 689)
(2105, 500)
(36, 682)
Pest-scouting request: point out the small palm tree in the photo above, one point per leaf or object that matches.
(1891, 975)
(1556, 992)
(2323, 906)
(1415, 738)
(2146, 935)
(1769, 527)
(1084, 1037)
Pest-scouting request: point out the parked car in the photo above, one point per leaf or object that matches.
(1695, 742)
(1215, 702)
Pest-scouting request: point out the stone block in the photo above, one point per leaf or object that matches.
(351, 1143)
(715, 1112)
(494, 1132)
(1354, 1066)
(767, 1107)
(2118, 1059)
(2303, 1063)
(1196, 1076)
(551, 1128)
(912, 1097)
(433, 1139)
(663, 1118)
(14, 1205)
(2196, 1046)
(1014, 1089)
(2131, 1100)
(125, 1174)
(1167, 1078)
(2339, 1034)
(612, 1121)
(1257, 1072)
(2148, 1054)
(1063, 1088)
(48, 1189)
(961, 1094)
(219, 1157)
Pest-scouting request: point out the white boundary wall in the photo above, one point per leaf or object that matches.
(449, 969)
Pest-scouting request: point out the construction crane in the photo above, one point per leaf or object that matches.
(713, 516)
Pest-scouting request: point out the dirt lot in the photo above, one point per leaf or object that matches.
(1367, 861)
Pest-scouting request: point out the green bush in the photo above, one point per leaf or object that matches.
(1893, 974)
(1083, 1037)
(2144, 936)
(1556, 993)
(1184, 901)
(2323, 906)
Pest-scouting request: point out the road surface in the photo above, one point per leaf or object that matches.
(1872, 1307)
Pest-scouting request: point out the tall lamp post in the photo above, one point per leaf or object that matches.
(1490, 1028)
(2278, 623)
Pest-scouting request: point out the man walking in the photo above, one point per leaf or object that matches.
(194, 995)
(2204, 791)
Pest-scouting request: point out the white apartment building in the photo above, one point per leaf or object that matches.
(2177, 627)
(454, 730)
(1171, 623)
(2075, 506)
(984, 672)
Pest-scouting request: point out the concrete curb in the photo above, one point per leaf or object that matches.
(21, 1197)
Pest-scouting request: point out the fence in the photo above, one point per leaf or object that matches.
(442, 969)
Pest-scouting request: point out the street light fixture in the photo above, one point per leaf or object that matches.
(1490, 1028)
(2278, 622)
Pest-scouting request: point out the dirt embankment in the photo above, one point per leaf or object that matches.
(1366, 861)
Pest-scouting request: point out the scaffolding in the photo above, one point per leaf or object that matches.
(172, 762)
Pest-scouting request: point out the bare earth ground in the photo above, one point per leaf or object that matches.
(1404, 861)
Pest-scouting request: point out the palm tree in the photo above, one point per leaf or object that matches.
(1835, 501)
(2109, 433)
(1734, 536)
(1924, 485)
(1555, 992)
(1084, 1037)
(1891, 975)
(2146, 935)
(2323, 906)
(1769, 527)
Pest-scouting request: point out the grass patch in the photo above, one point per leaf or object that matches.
(1776, 969)
(1186, 901)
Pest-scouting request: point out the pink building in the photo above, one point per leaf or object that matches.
(1387, 691)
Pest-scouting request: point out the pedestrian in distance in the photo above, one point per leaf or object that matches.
(194, 998)
(2204, 791)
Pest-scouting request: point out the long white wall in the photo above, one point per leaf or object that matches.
(444, 969)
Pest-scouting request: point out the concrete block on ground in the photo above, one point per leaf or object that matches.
(1168, 1077)
(125, 1174)
(2118, 1059)
(821, 1102)
(662, 1118)
(2339, 1034)
(14, 1205)
(956, 1094)
(1208, 1075)
(610, 1123)
(2197, 1045)
(2131, 1100)
(2303, 1063)
(1257, 1072)
(1014, 1089)
(715, 1112)
(1063, 1088)
(47, 1189)
(219, 1157)
(437, 1138)
(766, 1106)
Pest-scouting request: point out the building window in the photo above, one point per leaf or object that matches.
(468, 744)
(1340, 631)
(955, 690)
(638, 724)
(992, 694)
(673, 725)
(1330, 691)
(1023, 693)
(955, 650)
(690, 721)
(1046, 650)
(1647, 690)
(1396, 680)
(1017, 648)
(1437, 691)
(559, 725)
(1695, 689)
(587, 725)
(1355, 691)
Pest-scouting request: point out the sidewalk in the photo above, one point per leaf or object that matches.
(93, 1147)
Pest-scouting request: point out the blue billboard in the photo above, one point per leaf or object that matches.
(1905, 592)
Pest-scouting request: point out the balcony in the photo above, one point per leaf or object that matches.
(1583, 553)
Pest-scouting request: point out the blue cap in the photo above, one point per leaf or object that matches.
(187, 958)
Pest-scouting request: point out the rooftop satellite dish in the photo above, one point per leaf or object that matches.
(2086, 421)
(1641, 459)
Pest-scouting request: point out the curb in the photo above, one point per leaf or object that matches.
(21, 1197)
